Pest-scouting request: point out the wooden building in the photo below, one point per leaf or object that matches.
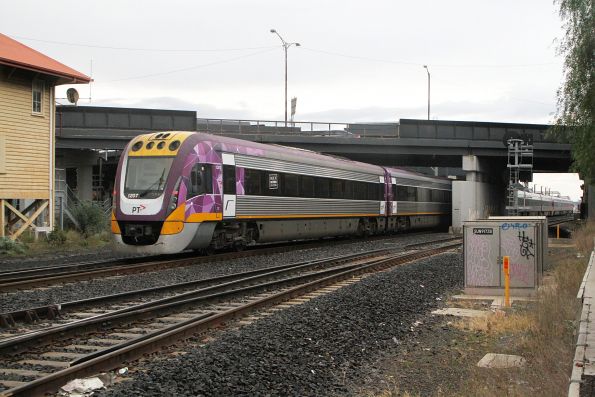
(27, 135)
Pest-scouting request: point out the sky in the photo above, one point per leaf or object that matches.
(357, 61)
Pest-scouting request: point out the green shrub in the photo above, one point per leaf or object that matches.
(10, 247)
(56, 237)
(90, 217)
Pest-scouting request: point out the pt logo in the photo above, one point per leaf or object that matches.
(137, 209)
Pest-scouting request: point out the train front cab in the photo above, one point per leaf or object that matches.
(149, 214)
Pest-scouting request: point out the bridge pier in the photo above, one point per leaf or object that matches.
(478, 196)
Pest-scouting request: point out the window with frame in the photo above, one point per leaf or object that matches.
(201, 180)
(37, 96)
(252, 179)
(307, 186)
(229, 179)
(322, 187)
(291, 183)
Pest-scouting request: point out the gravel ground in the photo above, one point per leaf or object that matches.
(322, 347)
(98, 287)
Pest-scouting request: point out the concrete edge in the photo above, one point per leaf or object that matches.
(578, 363)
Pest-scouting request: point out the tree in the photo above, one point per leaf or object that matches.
(576, 96)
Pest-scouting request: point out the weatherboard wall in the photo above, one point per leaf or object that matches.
(25, 150)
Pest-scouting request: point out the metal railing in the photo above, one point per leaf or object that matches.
(274, 127)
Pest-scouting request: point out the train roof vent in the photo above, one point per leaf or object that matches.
(158, 136)
(165, 136)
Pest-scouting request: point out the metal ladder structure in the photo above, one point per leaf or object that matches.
(520, 169)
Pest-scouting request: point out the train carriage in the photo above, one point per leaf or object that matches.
(417, 201)
(186, 190)
(533, 203)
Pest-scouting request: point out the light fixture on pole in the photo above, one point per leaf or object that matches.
(286, 45)
(428, 70)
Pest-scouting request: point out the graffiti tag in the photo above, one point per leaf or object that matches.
(526, 246)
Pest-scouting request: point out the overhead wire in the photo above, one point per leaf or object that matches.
(191, 67)
(104, 47)
(410, 63)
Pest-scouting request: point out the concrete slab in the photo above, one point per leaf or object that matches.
(45, 363)
(70, 356)
(495, 360)
(11, 383)
(22, 372)
(487, 297)
(458, 312)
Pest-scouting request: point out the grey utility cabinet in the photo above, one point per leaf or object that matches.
(486, 242)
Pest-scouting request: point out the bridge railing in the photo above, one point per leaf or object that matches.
(274, 127)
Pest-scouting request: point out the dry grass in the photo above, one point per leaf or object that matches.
(583, 238)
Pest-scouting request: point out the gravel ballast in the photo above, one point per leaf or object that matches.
(317, 348)
(86, 289)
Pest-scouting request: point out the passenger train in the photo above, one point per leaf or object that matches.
(533, 203)
(176, 191)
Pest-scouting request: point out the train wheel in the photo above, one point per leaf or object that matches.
(239, 246)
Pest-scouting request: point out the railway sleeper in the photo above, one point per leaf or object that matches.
(6, 321)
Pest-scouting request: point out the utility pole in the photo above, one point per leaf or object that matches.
(286, 45)
(428, 70)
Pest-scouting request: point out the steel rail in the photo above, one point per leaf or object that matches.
(135, 349)
(29, 279)
(147, 309)
(33, 314)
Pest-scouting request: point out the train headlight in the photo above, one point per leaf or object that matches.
(173, 202)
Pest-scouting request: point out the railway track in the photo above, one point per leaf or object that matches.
(51, 275)
(42, 361)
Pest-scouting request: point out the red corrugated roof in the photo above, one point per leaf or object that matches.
(15, 54)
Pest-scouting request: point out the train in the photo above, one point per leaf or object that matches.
(535, 203)
(177, 191)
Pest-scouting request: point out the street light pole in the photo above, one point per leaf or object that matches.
(428, 70)
(286, 45)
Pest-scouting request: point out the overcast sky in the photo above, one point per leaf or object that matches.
(358, 61)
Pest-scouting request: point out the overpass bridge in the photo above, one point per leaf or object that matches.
(478, 148)
(406, 143)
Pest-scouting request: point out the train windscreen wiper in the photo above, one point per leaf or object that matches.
(150, 188)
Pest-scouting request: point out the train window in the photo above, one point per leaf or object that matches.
(291, 183)
(372, 191)
(394, 192)
(252, 180)
(337, 190)
(322, 188)
(306, 186)
(360, 190)
(348, 194)
(401, 193)
(423, 194)
(146, 176)
(201, 180)
(229, 179)
(411, 193)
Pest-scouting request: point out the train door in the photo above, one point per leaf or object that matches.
(229, 185)
(382, 198)
(393, 203)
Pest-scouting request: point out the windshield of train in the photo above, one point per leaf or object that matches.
(146, 176)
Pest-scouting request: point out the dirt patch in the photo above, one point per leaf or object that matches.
(434, 361)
